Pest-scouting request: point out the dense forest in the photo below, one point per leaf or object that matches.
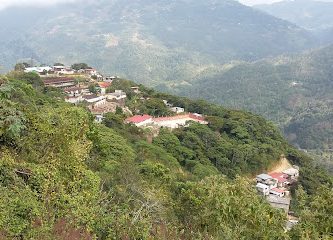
(294, 91)
(63, 176)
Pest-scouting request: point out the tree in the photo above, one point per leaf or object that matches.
(21, 66)
(79, 66)
(93, 88)
(58, 64)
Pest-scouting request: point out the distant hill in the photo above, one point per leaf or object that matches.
(312, 15)
(295, 91)
(151, 41)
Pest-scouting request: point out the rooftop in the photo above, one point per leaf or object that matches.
(261, 185)
(277, 190)
(138, 118)
(57, 80)
(291, 171)
(104, 84)
(189, 116)
(264, 176)
(278, 200)
(90, 96)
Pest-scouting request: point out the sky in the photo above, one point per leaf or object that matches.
(254, 2)
(9, 3)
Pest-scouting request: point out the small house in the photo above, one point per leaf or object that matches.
(140, 120)
(103, 86)
(281, 178)
(135, 90)
(293, 173)
(73, 91)
(110, 78)
(267, 179)
(177, 109)
(277, 192)
(95, 100)
(117, 95)
(263, 189)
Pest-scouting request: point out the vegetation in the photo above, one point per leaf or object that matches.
(79, 66)
(293, 91)
(62, 175)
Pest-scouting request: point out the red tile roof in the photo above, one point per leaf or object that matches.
(138, 118)
(281, 177)
(277, 190)
(104, 84)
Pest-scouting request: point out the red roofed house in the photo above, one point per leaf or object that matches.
(179, 120)
(277, 192)
(281, 178)
(140, 120)
(103, 86)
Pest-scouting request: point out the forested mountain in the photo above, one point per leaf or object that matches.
(312, 15)
(62, 176)
(295, 91)
(151, 41)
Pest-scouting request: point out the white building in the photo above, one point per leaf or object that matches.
(140, 120)
(95, 100)
(178, 121)
(263, 189)
(277, 192)
(39, 70)
(293, 173)
(177, 109)
(117, 95)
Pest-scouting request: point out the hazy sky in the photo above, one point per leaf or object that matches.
(7, 3)
(254, 2)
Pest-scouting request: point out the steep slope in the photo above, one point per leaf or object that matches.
(295, 91)
(153, 41)
(62, 176)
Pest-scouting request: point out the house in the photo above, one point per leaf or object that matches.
(73, 91)
(110, 78)
(277, 192)
(135, 90)
(177, 109)
(266, 179)
(178, 120)
(95, 100)
(62, 70)
(293, 173)
(117, 95)
(59, 68)
(281, 178)
(263, 189)
(140, 120)
(167, 104)
(99, 118)
(59, 82)
(103, 86)
(279, 202)
(39, 70)
(90, 71)
(74, 99)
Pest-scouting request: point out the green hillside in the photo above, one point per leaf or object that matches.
(151, 41)
(294, 91)
(315, 16)
(64, 177)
